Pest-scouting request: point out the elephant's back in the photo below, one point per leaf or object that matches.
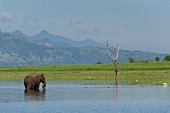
(28, 78)
(32, 75)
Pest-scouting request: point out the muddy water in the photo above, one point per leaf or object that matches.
(84, 97)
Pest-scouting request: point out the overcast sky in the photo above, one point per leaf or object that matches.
(137, 24)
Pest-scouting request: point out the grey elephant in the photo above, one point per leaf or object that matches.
(33, 81)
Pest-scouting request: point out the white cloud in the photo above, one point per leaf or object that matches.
(77, 22)
(36, 20)
(87, 31)
(6, 16)
(51, 22)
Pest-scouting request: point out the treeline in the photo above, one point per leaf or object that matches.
(157, 59)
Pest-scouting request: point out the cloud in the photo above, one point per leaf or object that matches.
(51, 22)
(36, 20)
(86, 31)
(6, 16)
(75, 23)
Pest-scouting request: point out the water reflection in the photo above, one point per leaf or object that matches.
(115, 93)
(34, 95)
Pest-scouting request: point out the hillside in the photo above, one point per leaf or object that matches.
(18, 51)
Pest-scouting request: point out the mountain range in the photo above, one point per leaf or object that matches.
(17, 49)
(45, 37)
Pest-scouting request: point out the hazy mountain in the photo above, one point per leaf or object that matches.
(19, 33)
(88, 42)
(16, 51)
(54, 38)
(45, 37)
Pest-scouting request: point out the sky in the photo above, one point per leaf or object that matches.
(142, 25)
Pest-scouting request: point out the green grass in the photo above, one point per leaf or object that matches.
(129, 73)
(86, 67)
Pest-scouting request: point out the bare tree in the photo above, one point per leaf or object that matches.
(114, 58)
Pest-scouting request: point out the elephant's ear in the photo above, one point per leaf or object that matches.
(42, 75)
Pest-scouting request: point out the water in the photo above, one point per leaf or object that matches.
(84, 97)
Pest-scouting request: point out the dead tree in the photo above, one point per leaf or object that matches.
(114, 59)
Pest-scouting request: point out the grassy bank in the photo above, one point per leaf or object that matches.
(129, 73)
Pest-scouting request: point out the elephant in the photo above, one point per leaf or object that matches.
(33, 81)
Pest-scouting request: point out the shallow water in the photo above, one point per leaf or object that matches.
(84, 97)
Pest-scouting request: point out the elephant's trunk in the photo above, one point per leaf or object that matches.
(44, 84)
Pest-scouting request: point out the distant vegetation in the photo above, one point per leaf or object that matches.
(157, 59)
(131, 60)
(167, 58)
(129, 73)
(88, 67)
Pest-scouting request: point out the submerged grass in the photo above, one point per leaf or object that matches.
(129, 73)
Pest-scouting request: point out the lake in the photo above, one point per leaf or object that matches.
(84, 97)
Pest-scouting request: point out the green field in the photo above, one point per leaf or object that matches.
(129, 73)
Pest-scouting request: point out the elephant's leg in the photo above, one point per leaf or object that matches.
(36, 87)
(28, 86)
(25, 84)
